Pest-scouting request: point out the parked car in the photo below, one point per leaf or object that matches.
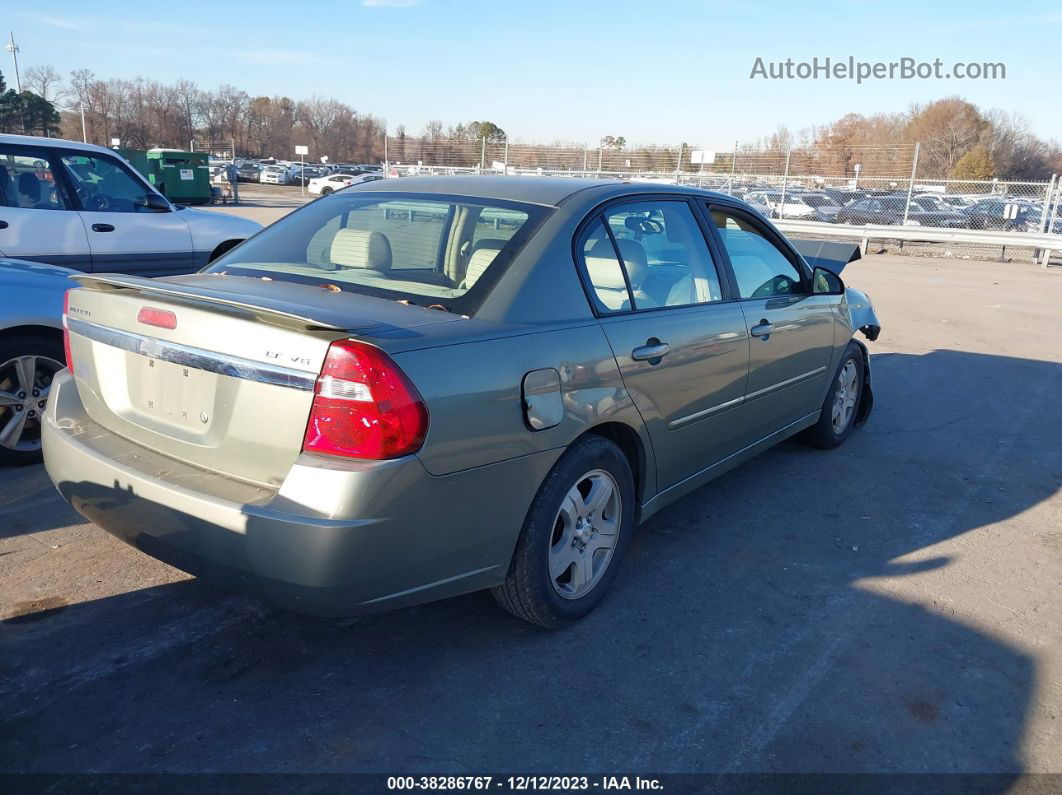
(31, 352)
(329, 183)
(273, 175)
(361, 179)
(363, 408)
(825, 208)
(890, 210)
(81, 206)
(249, 172)
(303, 175)
(1001, 213)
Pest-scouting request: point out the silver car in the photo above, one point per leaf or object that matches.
(413, 389)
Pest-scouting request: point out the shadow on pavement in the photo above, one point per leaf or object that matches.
(745, 633)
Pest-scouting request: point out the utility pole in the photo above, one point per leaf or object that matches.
(84, 129)
(13, 49)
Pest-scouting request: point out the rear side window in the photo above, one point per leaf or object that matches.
(27, 180)
(428, 250)
(651, 254)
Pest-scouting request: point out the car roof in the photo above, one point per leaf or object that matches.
(55, 143)
(549, 191)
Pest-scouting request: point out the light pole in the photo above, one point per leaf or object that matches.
(13, 49)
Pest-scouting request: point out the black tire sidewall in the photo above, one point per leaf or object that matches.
(532, 557)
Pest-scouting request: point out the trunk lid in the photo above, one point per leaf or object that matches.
(229, 387)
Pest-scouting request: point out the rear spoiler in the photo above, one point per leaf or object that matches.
(265, 309)
(827, 254)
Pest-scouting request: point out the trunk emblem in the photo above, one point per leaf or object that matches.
(204, 417)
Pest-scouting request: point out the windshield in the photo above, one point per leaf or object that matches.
(430, 250)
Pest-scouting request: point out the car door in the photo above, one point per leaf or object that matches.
(791, 331)
(679, 341)
(37, 219)
(124, 234)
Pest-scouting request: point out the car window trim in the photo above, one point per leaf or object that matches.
(598, 212)
(773, 237)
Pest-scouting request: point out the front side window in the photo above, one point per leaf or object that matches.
(27, 179)
(429, 251)
(761, 269)
(103, 184)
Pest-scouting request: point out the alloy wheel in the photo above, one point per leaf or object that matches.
(844, 400)
(24, 385)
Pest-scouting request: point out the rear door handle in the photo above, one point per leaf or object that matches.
(650, 351)
(3, 224)
(102, 228)
(763, 330)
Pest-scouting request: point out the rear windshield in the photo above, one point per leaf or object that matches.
(430, 250)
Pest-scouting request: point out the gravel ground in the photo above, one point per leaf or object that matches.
(888, 606)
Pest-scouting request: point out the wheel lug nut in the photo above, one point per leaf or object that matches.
(41, 405)
(32, 413)
(36, 393)
(21, 395)
(18, 407)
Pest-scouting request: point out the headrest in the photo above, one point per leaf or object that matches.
(634, 258)
(605, 272)
(361, 248)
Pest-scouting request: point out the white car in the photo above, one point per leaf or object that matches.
(83, 207)
(330, 183)
(361, 179)
(274, 175)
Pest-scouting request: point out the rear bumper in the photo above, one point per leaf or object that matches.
(337, 538)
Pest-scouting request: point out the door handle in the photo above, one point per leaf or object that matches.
(653, 349)
(102, 228)
(3, 224)
(763, 330)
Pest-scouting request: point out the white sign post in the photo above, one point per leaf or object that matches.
(302, 151)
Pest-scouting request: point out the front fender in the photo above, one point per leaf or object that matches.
(860, 314)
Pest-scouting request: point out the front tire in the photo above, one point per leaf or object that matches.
(841, 407)
(325, 190)
(573, 538)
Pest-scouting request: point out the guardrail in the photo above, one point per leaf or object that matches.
(1045, 242)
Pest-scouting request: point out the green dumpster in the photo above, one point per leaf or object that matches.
(182, 177)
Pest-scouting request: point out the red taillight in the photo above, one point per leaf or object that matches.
(66, 332)
(161, 318)
(364, 406)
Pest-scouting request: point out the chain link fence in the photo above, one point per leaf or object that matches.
(833, 184)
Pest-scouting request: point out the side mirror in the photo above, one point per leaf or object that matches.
(155, 203)
(824, 282)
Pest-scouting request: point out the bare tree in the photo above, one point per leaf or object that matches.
(45, 82)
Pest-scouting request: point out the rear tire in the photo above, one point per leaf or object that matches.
(28, 362)
(573, 538)
(841, 406)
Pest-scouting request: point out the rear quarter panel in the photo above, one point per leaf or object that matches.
(474, 395)
(31, 294)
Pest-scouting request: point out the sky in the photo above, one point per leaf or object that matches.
(659, 71)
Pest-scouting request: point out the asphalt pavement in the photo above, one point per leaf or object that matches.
(892, 605)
